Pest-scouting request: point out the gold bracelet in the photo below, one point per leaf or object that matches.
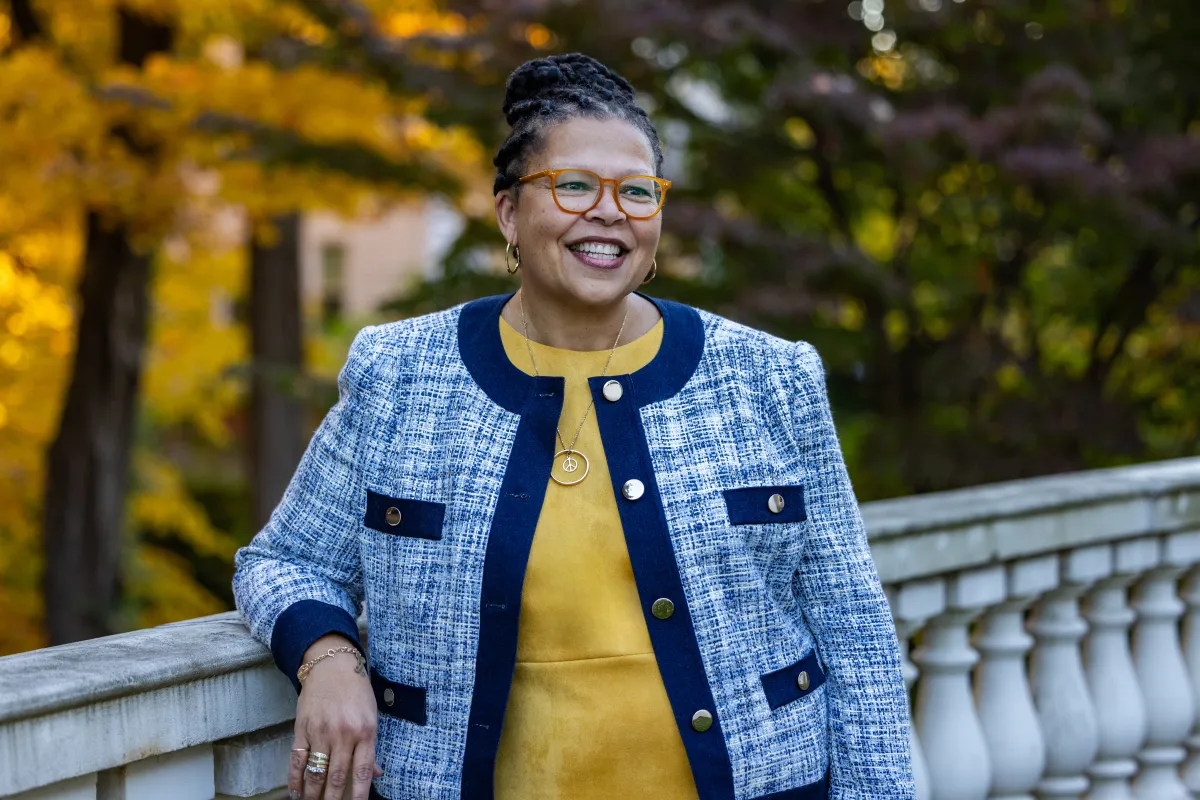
(360, 667)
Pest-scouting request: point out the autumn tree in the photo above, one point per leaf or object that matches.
(135, 132)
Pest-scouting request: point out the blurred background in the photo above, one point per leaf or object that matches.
(984, 214)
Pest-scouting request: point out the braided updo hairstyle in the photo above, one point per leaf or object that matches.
(546, 91)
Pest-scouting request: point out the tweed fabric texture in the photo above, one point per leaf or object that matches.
(412, 423)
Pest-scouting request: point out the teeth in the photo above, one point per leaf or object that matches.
(597, 249)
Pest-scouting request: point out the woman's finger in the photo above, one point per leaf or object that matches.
(339, 771)
(295, 781)
(363, 769)
(315, 782)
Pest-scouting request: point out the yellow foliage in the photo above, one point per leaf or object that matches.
(875, 233)
(162, 503)
(194, 344)
(36, 338)
(422, 21)
(540, 36)
(1009, 377)
(159, 583)
(800, 133)
(895, 325)
(851, 314)
(185, 195)
(889, 69)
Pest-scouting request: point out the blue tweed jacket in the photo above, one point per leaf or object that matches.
(780, 630)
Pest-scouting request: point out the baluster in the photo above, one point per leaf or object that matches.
(1162, 675)
(1120, 709)
(1191, 655)
(1010, 724)
(948, 726)
(1060, 690)
(912, 605)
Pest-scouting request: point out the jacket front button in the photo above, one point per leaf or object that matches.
(662, 608)
(775, 503)
(613, 391)
(802, 681)
(702, 720)
(633, 489)
(389, 697)
(392, 515)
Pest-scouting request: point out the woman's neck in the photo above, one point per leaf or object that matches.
(580, 328)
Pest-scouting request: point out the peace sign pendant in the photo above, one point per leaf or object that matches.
(570, 465)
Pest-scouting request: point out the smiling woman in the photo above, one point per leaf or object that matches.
(607, 542)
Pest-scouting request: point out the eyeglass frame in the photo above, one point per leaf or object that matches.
(616, 182)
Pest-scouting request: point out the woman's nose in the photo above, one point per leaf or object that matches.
(606, 209)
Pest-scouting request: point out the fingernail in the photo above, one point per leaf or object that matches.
(293, 794)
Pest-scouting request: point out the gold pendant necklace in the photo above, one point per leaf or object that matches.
(570, 463)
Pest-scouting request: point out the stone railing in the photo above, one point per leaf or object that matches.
(1046, 614)
(1055, 625)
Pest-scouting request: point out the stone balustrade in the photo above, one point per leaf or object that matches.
(1050, 631)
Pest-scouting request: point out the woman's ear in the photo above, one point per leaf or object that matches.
(506, 215)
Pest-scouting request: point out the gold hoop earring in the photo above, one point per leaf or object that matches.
(653, 272)
(512, 268)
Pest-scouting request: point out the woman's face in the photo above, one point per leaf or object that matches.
(553, 243)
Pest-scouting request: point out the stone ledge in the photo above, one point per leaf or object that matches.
(961, 508)
(83, 673)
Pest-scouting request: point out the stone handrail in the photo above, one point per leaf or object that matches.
(988, 581)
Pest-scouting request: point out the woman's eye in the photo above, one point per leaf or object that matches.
(636, 192)
(574, 186)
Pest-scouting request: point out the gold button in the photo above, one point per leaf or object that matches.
(633, 489)
(775, 503)
(662, 608)
(392, 515)
(613, 391)
(702, 720)
(389, 697)
(802, 681)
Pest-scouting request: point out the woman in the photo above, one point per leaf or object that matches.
(607, 543)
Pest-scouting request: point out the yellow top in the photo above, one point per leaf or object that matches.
(588, 716)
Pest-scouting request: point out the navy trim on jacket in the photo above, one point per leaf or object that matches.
(539, 402)
(522, 492)
(656, 573)
(482, 351)
(300, 625)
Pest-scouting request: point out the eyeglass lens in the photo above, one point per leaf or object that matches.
(578, 191)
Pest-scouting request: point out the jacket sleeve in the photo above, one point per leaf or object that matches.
(846, 610)
(300, 577)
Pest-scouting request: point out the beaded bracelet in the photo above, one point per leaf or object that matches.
(360, 667)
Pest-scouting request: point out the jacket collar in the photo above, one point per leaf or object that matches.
(483, 353)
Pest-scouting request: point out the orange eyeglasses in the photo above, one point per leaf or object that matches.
(578, 191)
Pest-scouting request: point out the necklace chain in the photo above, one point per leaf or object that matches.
(525, 328)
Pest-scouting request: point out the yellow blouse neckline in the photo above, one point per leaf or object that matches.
(628, 357)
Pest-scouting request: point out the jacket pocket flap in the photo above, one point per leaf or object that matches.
(398, 700)
(758, 504)
(789, 684)
(400, 517)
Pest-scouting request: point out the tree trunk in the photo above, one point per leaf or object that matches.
(276, 413)
(88, 470)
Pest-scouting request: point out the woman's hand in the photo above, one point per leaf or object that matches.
(335, 715)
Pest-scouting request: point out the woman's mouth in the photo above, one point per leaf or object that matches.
(602, 255)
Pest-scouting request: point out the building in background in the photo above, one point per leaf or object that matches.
(352, 267)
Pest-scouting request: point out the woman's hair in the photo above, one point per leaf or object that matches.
(546, 91)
